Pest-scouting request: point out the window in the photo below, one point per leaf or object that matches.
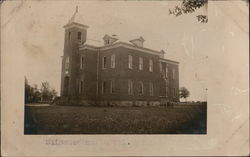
(130, 87)
(173, 73)
(166, 71)
(150, 65)
(151, 89)
(107, 42)
(113, 61)
(79, 35)
(130, 62)
(174, 92)
(69, 36)
(81, 62)
(80, 87)
(167, 91)
(140, 63)
(112, 86)
(104, 62)
(140, 88)
(104, 87)
(67, 63)
(160, 67)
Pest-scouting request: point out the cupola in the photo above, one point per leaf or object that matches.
(138, 41)
(109, 39)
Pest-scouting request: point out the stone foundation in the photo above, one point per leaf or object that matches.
(106, 103)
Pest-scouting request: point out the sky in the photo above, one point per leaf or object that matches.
(212, 55)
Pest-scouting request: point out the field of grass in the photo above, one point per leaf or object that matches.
(115, 120)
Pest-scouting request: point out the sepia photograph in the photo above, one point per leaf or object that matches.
(152, 78)
(114, 80)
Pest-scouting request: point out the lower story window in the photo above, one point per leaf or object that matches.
(112, 86)
(151, 89)
(140, 88)
(130, 87)
(80, 87)
(174, 92)
(167, 91)
(104, 87)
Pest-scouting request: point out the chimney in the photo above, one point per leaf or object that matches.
(108, 40)
(138, 41)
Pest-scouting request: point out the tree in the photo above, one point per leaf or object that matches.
(190, 6)
(53, 93)
(35, 95)
(27, 91)
(32, 94)
(47, 93)
(184, 93)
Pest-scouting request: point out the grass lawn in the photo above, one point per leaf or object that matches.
(115, 120)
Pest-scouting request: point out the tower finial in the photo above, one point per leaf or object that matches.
(77, 9)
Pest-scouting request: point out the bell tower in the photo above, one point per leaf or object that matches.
(75, 35)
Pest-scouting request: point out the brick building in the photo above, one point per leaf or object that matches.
(117, 73)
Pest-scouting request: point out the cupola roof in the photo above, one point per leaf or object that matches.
(76, 19)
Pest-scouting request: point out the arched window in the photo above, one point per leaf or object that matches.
(140, 88)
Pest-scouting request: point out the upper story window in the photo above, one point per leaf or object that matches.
(67, 63)
(112, 61)
(174, 73)
(104, 62)
(151, 65)
(81, 62)
(79, 35)
(160, 67)
(130, 87)
(166, 71)
(151, 89)
(112, 86)
(140, 88)
(104, 87)
(107, 42)
(140, 63)
(130, 62)
(69, 36)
